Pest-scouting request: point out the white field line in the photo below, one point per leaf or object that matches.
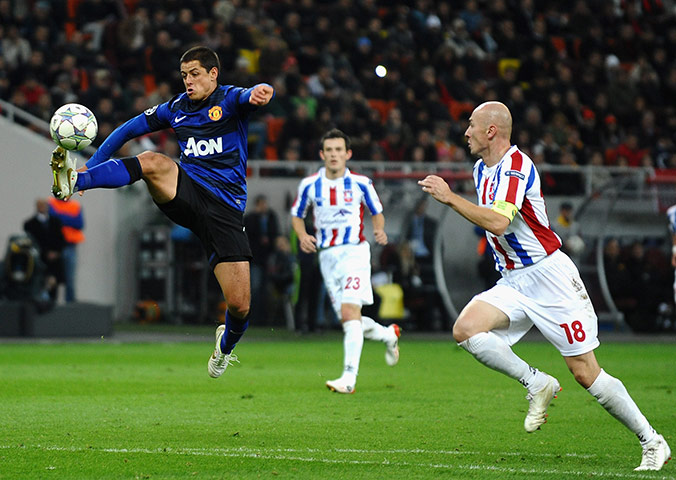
(282, 454)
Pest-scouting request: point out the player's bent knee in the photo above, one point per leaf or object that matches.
(239, 310)
(461, 332)
(153, 163)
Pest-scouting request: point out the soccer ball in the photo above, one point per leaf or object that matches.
(73, 126)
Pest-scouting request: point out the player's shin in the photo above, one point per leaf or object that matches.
(234, 329)
(353, 341)
(111, 174)
(495, 353)
(613, 396)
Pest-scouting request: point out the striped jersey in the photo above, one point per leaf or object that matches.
(528, 237)
(671, 216)
(338, 206)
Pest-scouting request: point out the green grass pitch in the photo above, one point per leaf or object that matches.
(107, 410)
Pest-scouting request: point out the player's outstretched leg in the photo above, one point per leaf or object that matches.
(388, 335)
(539, 401)
(656, 454)
(64, 168)
(219, 361)
(392, 351)
(614, 397)
(495, 353)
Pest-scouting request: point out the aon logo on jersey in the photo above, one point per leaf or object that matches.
(202, 148)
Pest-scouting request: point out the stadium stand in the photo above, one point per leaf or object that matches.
(442, 59)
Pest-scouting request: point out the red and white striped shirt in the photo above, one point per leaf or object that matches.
(338, 206)
(528, 237)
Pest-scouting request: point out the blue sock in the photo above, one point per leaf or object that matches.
(110, 174)
(234, 329)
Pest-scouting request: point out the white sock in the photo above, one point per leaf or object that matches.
(613, 396)
(374, 331)
(353, 341)
(494, 352)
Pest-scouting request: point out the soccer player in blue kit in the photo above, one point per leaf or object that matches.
(205, 191)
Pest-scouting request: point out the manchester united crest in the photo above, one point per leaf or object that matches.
(215, 113)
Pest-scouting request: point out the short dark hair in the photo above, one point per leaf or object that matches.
(335, 133)
(206, 56)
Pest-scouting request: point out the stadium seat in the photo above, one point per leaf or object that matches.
(252, 56)
(382, 106)
(149, 78)
(458, 109)
(392, 301)
(559, 43)
(274, 127)
(506, 63)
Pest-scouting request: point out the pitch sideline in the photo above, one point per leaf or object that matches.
(277, 454)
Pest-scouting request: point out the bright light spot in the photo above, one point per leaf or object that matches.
(381, 71)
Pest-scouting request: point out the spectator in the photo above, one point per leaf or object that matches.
(280, 270)
(16, 50)
(46, 231)
(262, 227)
(568, 231)
(72, 220)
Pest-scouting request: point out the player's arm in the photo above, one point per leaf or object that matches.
(375, 206)
(495, 220)
(257, 95)
(673, 250)
(132, 128)
(379, 229)
(308, 243)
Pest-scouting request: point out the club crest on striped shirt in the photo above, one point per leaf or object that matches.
(347, 195)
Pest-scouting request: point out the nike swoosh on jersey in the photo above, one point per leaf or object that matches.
(178, 119)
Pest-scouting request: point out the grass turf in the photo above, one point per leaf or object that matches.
(148, 410)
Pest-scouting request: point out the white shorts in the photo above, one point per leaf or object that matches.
(346, 270)
(551, 296)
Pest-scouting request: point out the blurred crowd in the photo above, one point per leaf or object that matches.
(587, 81)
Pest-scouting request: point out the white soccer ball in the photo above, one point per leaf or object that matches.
(73, 126)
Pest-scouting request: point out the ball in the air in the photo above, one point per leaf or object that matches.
(73, 126)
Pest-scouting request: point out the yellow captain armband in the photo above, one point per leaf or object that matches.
(505, 208)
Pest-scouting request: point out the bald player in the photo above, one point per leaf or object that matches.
(540, 285)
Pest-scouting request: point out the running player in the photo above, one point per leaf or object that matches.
(205, 192)
(338, 197)
(671, 217)
(540, 285)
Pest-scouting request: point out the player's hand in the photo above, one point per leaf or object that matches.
(436, 187)
(261, 94)
(673, 260)
(308, 244)
(380, 236)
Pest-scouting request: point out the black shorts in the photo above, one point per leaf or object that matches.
(219, 227)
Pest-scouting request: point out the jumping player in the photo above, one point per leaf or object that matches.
(205, 192)
(540, 285)
(338, 197)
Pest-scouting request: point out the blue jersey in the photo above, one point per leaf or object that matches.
(212, 136)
